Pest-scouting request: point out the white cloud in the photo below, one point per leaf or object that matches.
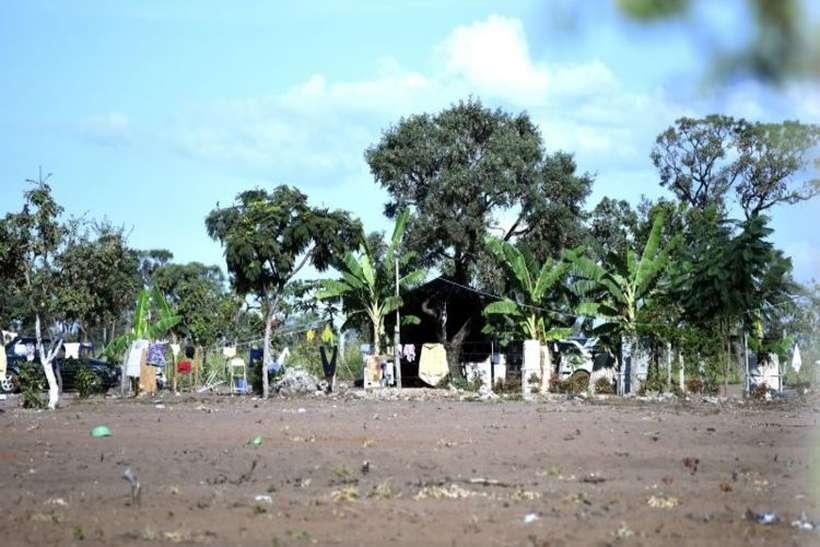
(111, 129)
(493, 56)
(321, 126)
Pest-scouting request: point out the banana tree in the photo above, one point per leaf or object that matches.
(532, 286)
(368, 284)
(153, 317)
(535, 289)
(623, 287)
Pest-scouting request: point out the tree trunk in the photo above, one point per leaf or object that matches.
(376, 339)
(266, 350)
(453, 348)
(546, 368)
(728, 357)
(45, 361)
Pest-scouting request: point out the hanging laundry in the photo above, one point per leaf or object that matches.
(3, 364)
(279, 363)
(31, 352)
(72, 350)
(408, 352)
(328, 365)
(185, 367)
(327, 335)
(156, 355)
(255, 354)
(132, 364)
(797, 360)
(433, 364)
(175, 350)
(229, 352)
(311, 335)
(190, 352)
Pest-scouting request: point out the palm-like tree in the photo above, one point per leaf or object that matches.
(368, 284)
(153, 317)
(531, 285)
(623, 286)
(536, 289)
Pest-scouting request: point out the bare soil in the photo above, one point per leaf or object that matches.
(433, 470)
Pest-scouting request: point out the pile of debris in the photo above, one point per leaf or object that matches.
(296, 381)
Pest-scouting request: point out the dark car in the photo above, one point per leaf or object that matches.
(106, 375)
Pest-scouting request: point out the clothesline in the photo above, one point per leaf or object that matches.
(261, 339)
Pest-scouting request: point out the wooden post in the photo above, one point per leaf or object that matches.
(669, 366)
(745, 364)
(148, 375)
(681, 373)
(397, 334)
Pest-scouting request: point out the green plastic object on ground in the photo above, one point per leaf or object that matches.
(100, 431)
(255, 442)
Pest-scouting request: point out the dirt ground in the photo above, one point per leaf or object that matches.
(434, 470)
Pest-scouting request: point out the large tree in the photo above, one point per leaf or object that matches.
(613, 224)
(703, 160)
(30, 242)
(269, 237)
(200, 297)
(470, 170)
(99, 279)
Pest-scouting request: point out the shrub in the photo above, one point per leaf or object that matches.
(695, 385)
(87, 383)
(604, 386)
(759, 392)
(575, 384)
(32, 385)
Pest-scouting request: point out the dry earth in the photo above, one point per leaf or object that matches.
(439, 471)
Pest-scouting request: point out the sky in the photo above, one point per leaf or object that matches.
(151, 113)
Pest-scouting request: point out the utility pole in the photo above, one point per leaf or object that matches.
(397, 332)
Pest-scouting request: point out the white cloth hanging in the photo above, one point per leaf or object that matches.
(72, 350)
(797, 360)
(229, 352)
(175, 350)
(408, 352)
(132, 364)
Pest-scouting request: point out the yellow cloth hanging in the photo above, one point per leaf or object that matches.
(433, 364)
(311, 335)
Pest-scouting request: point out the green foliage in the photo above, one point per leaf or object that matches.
(99, 276)
(32, 384)
(458, 169)
(534, 288)
(701, 160)
(152, 318)
(269, 237)
(624, 284)
(779, 43)
(368, 286)
(612, 226)
(87, 383)
(199, 295)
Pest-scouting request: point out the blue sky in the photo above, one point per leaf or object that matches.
(149, 113)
